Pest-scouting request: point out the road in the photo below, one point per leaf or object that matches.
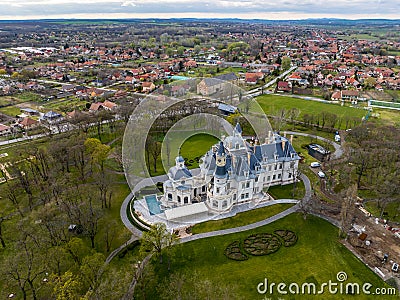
(257, 91)
(338, 148)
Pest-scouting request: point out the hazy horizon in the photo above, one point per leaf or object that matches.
(205, 9)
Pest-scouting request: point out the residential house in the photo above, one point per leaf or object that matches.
(27, 123)
(209, 86)
(252, 78)
(283, 86)
(4, 129)
(29, 111)
(52, 117)
(350, 95)
(148, 87)
(106, 105)
(226, 109)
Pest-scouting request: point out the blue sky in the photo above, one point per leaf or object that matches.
(246, 9)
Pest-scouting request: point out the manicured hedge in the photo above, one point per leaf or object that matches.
(289, 237)
(261, 244)
(233, 251)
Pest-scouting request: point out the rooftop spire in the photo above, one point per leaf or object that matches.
(238, 129)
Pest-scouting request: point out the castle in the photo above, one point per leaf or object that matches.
(232, 172)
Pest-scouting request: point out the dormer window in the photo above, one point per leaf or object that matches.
(292, 154)
(276, 156)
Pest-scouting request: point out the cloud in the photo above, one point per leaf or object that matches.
(204, 8)
(128, 3)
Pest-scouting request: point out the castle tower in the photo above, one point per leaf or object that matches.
(221, 174)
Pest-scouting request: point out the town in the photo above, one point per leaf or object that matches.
(99, 200)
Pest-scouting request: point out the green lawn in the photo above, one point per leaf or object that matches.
(392, 210)
(195, 147)
(192, 149)
(317, 257)
(10, 110)
(241, 219)
(286, 191)
(272, 103)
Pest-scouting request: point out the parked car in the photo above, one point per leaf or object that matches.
(321, 174)
(395, 267)
(315, 164)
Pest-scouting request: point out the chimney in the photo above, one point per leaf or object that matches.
(283, 145)
(291, 139)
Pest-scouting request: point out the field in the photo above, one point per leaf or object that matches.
(191, 150)
(272, 103)
(317, 258)
(286, 191)
(195, 147)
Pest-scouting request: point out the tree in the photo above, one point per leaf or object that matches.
(369, 82)
(293, 115)
(92, 270)
(348, 209)
(2, 241)
(154, 149)
(157, 239)
(286, 62)
(67, 286)
(280, 118)
(25, 266)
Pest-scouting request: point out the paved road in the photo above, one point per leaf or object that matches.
(257, 91)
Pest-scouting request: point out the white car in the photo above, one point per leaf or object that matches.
(315, 164)
(395, 267)
(321, 174)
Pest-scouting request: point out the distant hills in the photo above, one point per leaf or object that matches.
(321, 21)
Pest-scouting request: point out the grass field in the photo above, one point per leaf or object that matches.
(11, 111)
(241, 219)
(286, 191)
(392, 210)
(195, 147)
(317, 257)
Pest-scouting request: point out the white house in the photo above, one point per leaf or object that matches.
(231, 172)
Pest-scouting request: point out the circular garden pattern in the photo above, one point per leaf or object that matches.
(233, 252)
(289, 237)
(260, 244)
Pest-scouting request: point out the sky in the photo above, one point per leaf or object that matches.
(245, 9)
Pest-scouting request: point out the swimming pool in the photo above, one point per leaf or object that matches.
(153, 204)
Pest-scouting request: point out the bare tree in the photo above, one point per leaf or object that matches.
(348, 209)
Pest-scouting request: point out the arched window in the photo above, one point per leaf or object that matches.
(186, 199)
(179, 199)
(169, 197)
